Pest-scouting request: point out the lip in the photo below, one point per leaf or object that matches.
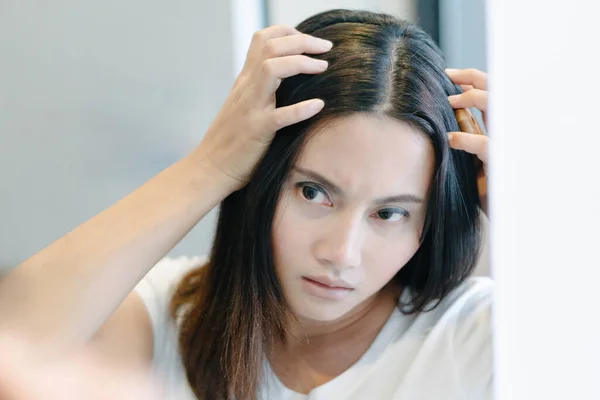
(314, 287)
(331, 283)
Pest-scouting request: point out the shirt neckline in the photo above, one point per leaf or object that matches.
(343, 384)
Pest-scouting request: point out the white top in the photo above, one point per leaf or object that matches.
(441, 354)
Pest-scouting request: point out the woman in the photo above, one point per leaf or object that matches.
(347, 232)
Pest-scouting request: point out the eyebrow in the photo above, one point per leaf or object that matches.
(401, 198)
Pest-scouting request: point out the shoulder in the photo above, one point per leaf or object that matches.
(155, 291)
(466, 326)
(132, 335)
(170, 271)
(465, 314)
(455, 339)
(473, 297)
(468, 302)
(157, 287)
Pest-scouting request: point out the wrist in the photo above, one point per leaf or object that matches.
(207, 171)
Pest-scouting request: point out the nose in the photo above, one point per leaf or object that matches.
(340, 244)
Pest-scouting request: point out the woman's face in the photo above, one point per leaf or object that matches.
(351, 214)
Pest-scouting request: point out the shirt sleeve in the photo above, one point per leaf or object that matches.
(156, 290)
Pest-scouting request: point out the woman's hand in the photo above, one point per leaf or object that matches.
(474, 84)
(25, 375)
(248, 121)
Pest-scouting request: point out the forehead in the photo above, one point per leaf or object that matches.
(370, 153)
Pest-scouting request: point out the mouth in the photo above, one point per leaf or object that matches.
(327, 283)
(331, 290)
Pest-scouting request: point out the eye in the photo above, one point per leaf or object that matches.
(313, 193)
(392, 214)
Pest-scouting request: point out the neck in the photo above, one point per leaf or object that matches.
(372, 312)
(316, 352)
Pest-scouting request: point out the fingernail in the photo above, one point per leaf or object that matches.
(317, 104)
(450, 70)
(323, 64)
(450, 136)
(326, 44)
(453, 99)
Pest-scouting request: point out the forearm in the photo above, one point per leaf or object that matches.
(69, 289)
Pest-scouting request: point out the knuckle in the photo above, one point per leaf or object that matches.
(296, 113)
(269, 49)
(472, 71)
(268, 67)
(278, 120)
(307, 39)
(485, 145)
(302, 62)
(480, 97)
(476, 74)
(283, 27)
(471, 95)
(457, 139)
(258, 36)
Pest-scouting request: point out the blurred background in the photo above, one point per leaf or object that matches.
(97, 97)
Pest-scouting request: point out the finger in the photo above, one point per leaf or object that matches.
(295, 44)
(261, 37)
(273, 31)
(276, 69)
(472, 98)
(466, 88)
(289, 115)
(468, 76)
(474, 144)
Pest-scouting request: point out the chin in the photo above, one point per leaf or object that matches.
(319, 316)
(305, 309)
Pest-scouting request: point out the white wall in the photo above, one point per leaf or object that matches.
(293, 12)
(463, 33)
(96, 97)
(248, 17)
(545, 193)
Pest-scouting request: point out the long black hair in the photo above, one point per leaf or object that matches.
(379, 64)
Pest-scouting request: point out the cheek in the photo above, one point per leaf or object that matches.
(289, 238)
(278, 244)
(388, 256)
(292, 227)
